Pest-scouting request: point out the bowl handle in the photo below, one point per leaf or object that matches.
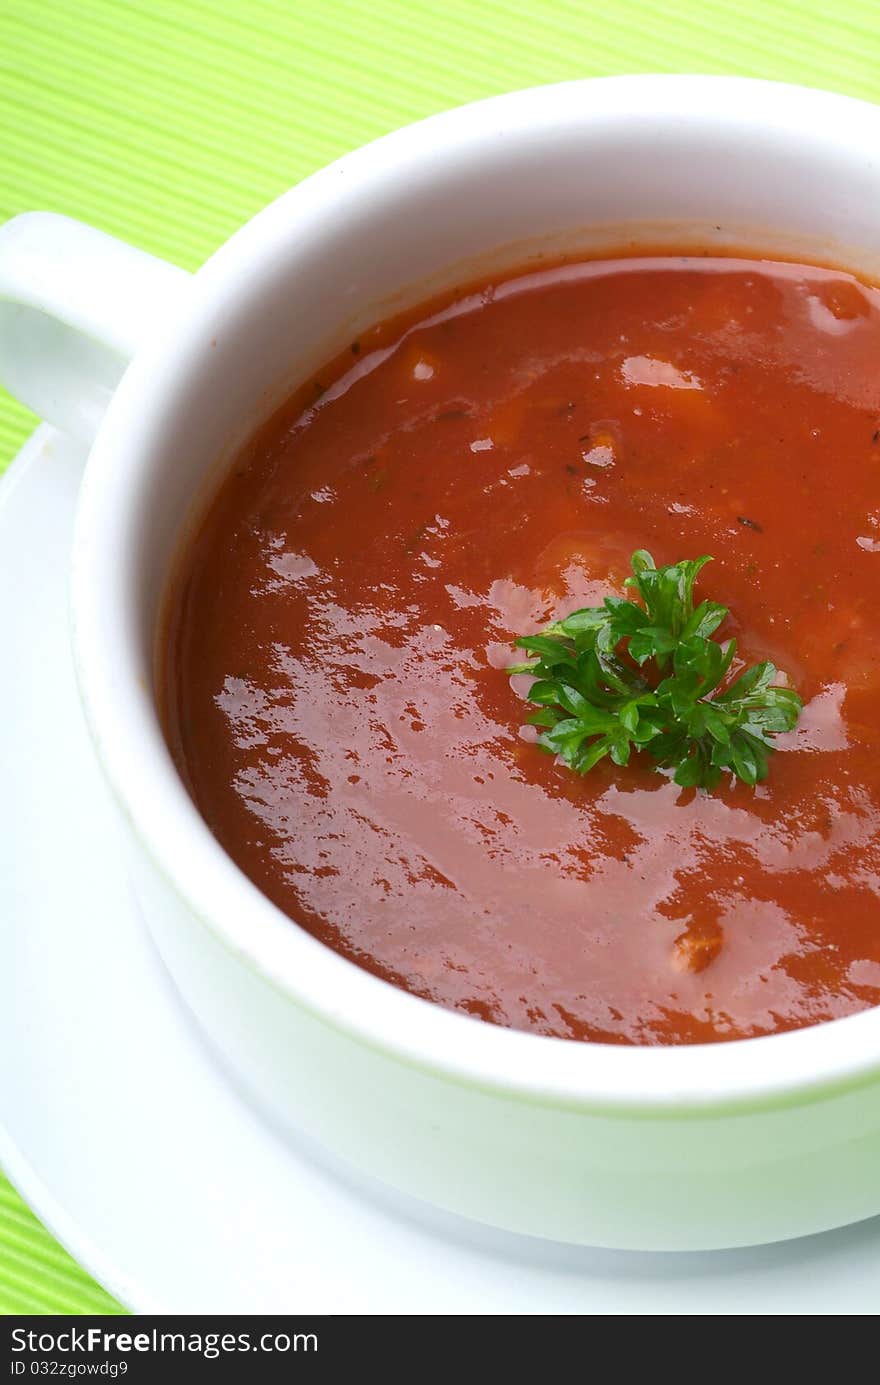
(75, 304)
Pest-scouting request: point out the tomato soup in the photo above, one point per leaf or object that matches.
(334, 679)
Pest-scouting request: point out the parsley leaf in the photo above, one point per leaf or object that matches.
(596, 696)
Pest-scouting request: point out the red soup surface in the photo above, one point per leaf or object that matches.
(334, 687)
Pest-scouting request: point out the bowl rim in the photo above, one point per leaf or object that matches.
(787, 1068)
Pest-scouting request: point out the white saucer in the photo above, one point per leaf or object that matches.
(132, 1146)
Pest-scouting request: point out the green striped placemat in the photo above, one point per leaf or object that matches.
(169, 122)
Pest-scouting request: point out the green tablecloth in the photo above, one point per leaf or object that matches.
(169, 122)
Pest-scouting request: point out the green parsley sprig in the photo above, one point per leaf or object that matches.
(595, 698)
